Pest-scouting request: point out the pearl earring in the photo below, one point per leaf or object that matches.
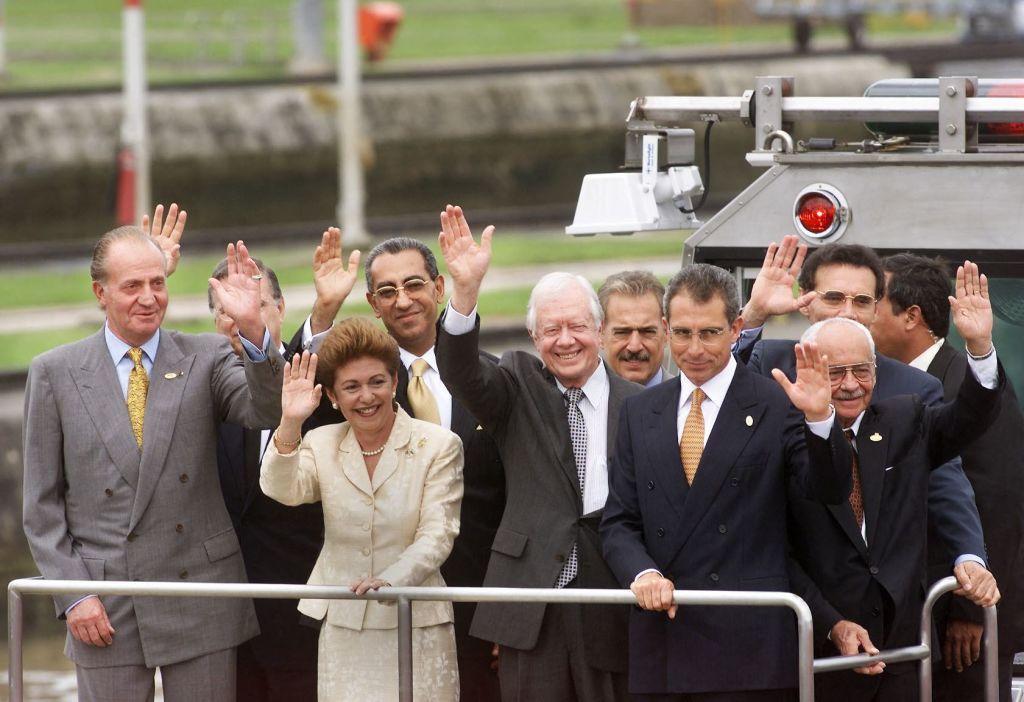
(334, 405)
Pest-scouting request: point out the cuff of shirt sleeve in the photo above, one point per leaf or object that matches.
(645, 572)
(456, 323)
(985, 369)
(76, 603)
(256, 355)
(823, 428)
(964, 558)
(311, 342)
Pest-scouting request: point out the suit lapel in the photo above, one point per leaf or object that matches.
(551, 405)
(402, 391)
(871, 458)
(616, 394)
(660, 425)
(249, 473)
(162, 404)
(100, 390)
(728, 438)
(398, 443)
(352, 463)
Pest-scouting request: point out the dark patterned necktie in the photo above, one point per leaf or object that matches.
(578, 434)
(856, 500)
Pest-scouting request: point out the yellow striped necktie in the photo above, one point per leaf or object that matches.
(138, 388)
(691, 445)
(422, 401)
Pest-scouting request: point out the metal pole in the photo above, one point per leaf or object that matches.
(990, 644)
(938, 590)
(405, 688)
(352, 198)
(15, 665)
(309, 57)
(134, 126)
(805, 649)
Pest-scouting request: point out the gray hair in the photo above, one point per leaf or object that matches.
(397, 245)
(812, 332)
(100, 252)
(551, 286)
(220, 272)
(630, 284)
(701, 281)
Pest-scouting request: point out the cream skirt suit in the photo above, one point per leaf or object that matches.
(399, 527)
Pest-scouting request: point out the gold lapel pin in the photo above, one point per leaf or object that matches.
(875, 437)
(750, 421)
(479, 428)
(171, 376)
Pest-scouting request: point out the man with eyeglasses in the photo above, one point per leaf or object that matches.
(633, 335)
(847, 280)
(866, 557)
(553, 418)
(405, 288)
(697, 501)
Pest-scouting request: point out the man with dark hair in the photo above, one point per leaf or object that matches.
(847, 281)
(697, 501)
(405, 288)
(912, 326)
(633, 334)
(280, 544)
(120, 449)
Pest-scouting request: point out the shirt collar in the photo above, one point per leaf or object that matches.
(118, 348)
(595, 389)
(856, 424)
(927, 356)
(655, 379)
(408, 358)
(714, 389)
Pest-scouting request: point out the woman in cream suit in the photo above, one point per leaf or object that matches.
(391, 488)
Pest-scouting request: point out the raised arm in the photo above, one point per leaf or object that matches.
(167, 233)
(772, 293)
(467, 261)
(333, 279)
(239, 293)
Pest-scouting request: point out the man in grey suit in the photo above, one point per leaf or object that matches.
(553, 419)
(121, 475)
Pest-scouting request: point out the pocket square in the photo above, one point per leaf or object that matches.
(889, 468)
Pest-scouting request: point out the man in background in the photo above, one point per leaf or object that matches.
(633, 335)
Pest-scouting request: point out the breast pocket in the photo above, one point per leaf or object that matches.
(510, 543)
(221, 545)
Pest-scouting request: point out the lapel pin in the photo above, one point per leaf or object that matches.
(171, 376)
(479, 428)
(875, 437)
(750, 421)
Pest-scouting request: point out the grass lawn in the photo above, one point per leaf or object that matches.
(77, 42)
(70, 285)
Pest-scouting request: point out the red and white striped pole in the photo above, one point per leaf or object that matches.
(133, 191)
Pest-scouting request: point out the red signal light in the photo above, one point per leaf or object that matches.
(816, 212)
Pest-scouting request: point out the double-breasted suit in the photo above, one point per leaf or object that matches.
(726, 531)
(518, 402)
(880, 584)
(98, 508)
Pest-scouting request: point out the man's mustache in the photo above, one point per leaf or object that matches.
(634, 356)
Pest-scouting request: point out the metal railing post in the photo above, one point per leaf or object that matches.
(990, 645)
(405, 650)
(805, 649)
(925, 672)
(15, 626)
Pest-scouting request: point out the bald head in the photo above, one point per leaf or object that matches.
(851, 360)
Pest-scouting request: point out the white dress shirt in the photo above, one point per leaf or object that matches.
(927, 356)
(594, 408)
(432, 379)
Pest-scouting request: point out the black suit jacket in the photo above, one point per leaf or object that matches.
(727, 531)
(881, 585)
(483, 501)
(994, 463)
(518, 402)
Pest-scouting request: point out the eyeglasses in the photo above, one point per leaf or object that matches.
(623, 333)
(388, 293)
(553, 331)
(862, 372)
(707, 337)
(834, 298)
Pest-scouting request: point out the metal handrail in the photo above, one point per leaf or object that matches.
(404, 596)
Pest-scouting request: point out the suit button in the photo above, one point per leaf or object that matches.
(714, 577)
(366, 552)
(560, 557)
(722, 529)
(650, 484)
(734, 482)
(661, 532)
(366, 526)
(873, 570)
(183, 574)
(131, 537)
(108, 492)
(367, 501)
(179, 528)
(875, 611)
(183, 477)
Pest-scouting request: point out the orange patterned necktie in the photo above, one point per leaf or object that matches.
(856, 500)
(691, 445)
(138, 387)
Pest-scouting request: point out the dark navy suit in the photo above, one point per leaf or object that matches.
(725, 532)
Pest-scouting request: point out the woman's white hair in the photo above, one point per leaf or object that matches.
(812, 332)
(553, 286)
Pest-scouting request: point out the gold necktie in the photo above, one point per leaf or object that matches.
(691, 445)
(422, 401)
(138, 387)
